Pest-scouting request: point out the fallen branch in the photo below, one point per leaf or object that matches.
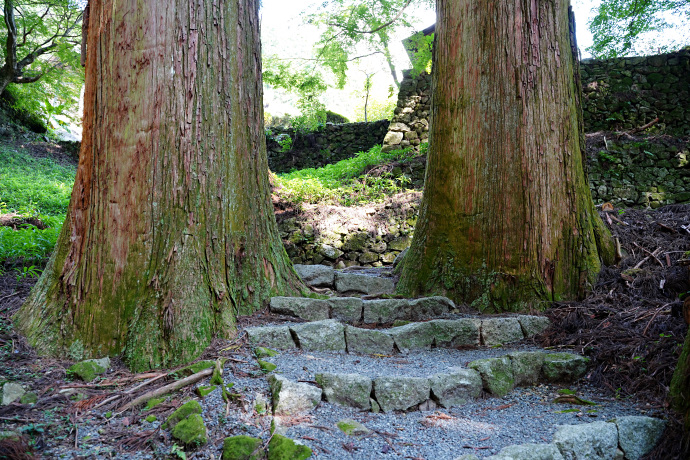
(131, 390)
(653, 254)
(643, 127)
(166, 389)
(619, 251)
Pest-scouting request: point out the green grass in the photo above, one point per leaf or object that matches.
(32, 187)
(40, 187)
(344, 182)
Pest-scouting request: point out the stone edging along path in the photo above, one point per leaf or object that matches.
(497, 376)
(626, 438)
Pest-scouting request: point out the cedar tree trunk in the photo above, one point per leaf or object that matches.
(170, 232)
(507, 219)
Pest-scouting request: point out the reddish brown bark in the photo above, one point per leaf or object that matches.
(170, 232)
(507, 220)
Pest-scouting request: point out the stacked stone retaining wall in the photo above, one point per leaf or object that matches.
(626, 171)
(624, 93)
(329, 145)
(619, 94)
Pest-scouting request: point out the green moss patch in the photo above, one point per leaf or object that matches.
(151, 418)
(29, 398)
(191, 431)
(153, 403)
(205, 391)
(263, 352)
(282, 448)
(242, 448)
(87, 370)
(266, 366)
(189, 408)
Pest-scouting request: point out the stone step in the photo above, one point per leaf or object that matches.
(628, 438)
(497, 376)
(355, 310)
(332, 335)
(363, 283)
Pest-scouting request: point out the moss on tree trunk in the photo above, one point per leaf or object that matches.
(507, 219)
(170, 232)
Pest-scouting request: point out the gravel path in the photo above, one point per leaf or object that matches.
(482, 427)
(302, 365)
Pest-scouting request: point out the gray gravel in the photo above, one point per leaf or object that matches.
(482, 427)
(302, 365)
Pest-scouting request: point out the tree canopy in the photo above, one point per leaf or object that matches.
(40, 45)
(620, 25)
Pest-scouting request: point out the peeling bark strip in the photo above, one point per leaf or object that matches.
(170, 232)
(507, 219)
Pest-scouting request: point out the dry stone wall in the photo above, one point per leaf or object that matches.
(624, 93)
(316, 149)
(410, 124)
(626, 171)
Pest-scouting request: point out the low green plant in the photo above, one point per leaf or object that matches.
(606, 156)
(285, 143)
(347, 182)
(178, 452)
(27, 272)
(37, 188)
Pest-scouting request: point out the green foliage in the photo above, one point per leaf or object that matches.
(32, 187)
(620, 25)
(420, 48)
(48, 31)
(307, 83)
(377, 109)
(351, 24)
(285, 143)
(178, 452)
(347, 182)
(336, 118)
(27, 272)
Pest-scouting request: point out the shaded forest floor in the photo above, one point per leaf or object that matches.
(631, 325)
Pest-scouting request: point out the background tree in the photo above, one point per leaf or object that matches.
(41, 46)
(170, 232)
(619, 26)
(350, 23)
(507, 219)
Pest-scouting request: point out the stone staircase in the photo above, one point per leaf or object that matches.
(390, 329)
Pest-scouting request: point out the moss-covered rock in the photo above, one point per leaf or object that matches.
(266, 366)
(242, 448)
(263, 352)
(352, 427)
(282, 448)
(497, 375)
(191, 431)
(88, 370)
(185, 410)
(564, 367)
